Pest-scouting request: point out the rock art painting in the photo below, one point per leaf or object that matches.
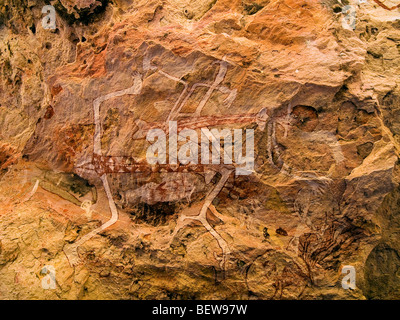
(199, 150)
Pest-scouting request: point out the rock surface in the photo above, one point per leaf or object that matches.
(322, 96)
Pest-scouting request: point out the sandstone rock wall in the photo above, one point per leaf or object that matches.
(322, 96)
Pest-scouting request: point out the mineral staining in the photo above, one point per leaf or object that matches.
(79, 194)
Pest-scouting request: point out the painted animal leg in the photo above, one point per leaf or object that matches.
(202, 217)
(71, 249)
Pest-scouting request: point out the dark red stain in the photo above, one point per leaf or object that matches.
(49, 112)
(56, 90)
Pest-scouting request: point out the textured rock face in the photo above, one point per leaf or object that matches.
(78, 194)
